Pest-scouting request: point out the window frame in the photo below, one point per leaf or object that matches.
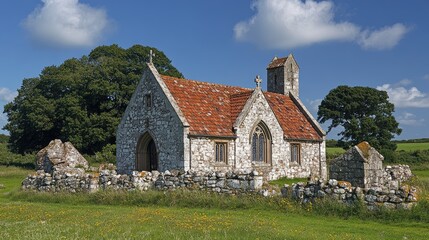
(295, 158)
(221, 157)
(255, 146)
(148, 100)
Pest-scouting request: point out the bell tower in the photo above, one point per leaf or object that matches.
(283, 76)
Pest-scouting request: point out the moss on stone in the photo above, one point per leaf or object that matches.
(364, 148)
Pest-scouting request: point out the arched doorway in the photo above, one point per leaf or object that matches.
(147, 154)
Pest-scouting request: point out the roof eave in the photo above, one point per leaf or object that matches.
(303, 139)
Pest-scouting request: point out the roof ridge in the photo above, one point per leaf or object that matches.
(207, 83)
(241, 93)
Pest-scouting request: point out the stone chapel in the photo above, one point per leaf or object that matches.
(173, 123)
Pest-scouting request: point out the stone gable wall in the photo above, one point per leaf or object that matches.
(281, 165)
(261, 111)
(160, 120)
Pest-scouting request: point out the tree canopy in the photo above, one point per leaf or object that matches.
(81, 101)
(364, 113)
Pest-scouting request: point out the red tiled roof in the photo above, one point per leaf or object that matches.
(206, 106)
(237, 103)
(294, 123)
(212, 109)
(278, 62)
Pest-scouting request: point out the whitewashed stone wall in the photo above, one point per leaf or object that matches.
(160, 120)
(203, 155)
(311, 153)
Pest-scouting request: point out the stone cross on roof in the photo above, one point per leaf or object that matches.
(258, 81)
(151, 54)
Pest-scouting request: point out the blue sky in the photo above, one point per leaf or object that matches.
(381, 44)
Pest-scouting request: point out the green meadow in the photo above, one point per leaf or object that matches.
(413, 146)
(400, 147)
(195, 215)
(176, 216)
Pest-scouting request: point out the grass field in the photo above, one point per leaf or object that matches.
(401, 147)
(42, 220)
(412, 146)
(334, 150)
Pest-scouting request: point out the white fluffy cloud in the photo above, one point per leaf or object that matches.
(7, 95)
(405, 82)
(409, 119)
(385, 38)
(315, 104)
(66, 23)
(403, 97)
(3, 121)
(286, 24)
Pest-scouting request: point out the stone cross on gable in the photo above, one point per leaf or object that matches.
(151, 54)
(258, 81)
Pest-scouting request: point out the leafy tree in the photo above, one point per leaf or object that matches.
(364, 113)
(4, 138)
(81, 101)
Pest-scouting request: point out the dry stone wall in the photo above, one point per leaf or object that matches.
(393, 194)
(222, 182)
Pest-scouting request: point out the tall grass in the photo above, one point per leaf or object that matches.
(206, 200)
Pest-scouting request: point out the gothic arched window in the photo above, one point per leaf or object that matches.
(261, 144)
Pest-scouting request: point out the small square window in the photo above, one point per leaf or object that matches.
(221, 152)
(295, 153)
(148, 100)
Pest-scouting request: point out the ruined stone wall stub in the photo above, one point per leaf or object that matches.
(361, 165)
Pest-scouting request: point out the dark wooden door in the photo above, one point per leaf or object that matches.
(153, 156)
